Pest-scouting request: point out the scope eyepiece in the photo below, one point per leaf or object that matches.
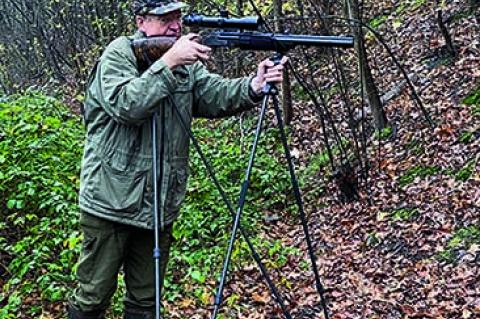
(245, 23)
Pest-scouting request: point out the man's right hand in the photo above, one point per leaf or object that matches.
(186, 51)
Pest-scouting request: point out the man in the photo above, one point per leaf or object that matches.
(116, 178)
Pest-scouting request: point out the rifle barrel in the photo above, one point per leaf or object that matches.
(317, 40)
(279, 42)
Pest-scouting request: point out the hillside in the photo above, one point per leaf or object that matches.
(406, 246)
(410, 246)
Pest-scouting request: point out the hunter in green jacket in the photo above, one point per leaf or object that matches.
(116, 194)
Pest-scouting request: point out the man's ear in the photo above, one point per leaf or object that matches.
(140, 20)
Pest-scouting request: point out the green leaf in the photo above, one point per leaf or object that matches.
(11, 203)
(20, 204)
(196, 275)
(397, 24)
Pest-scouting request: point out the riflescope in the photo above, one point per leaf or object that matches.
(244, 23)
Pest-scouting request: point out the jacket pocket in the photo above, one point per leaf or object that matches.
(118, 190)
(177, 185)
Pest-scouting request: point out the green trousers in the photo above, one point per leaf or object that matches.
(107, 246)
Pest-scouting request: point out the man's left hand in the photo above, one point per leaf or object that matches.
(268, 72)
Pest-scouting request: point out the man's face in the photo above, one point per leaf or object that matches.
(169, 24)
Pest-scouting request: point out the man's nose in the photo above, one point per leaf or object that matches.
(175, 25)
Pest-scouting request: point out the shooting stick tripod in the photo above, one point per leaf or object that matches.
(270, 92)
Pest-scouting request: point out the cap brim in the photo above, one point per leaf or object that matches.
(173, 6)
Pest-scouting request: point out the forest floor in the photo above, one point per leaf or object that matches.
(409, 247)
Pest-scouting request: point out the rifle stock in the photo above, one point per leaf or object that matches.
(150, 49)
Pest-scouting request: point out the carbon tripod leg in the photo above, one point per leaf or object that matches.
(156, 249)
(298, 198)
(241, 203)
(263, 270)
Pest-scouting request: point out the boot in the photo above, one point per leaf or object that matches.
(138, 313)
(77, 314)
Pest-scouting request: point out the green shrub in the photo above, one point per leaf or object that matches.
(203, 229)
(41, 143)
(40, 150)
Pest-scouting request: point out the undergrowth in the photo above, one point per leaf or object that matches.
(40, 149)
(41, 144)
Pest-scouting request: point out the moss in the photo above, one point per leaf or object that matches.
(417, 4)
(416, 147)
(404, 213)
(463, 238)
(473, 100)
(466, 172)
(459, 16)
(377, 21)
(299, 93)
(466, 137)
(384, 134)
(400, 8)
(418, 171)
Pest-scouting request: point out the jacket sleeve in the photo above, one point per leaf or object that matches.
(215, 96)
(126, 95)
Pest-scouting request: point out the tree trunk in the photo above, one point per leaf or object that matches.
(240, 7)
(239, 57)
(286, 88)
(369, 86)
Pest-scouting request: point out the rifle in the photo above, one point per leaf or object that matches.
(148, 50)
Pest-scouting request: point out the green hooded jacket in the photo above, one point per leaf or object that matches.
(116, 174)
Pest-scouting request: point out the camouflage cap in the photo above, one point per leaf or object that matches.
(156, 7)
